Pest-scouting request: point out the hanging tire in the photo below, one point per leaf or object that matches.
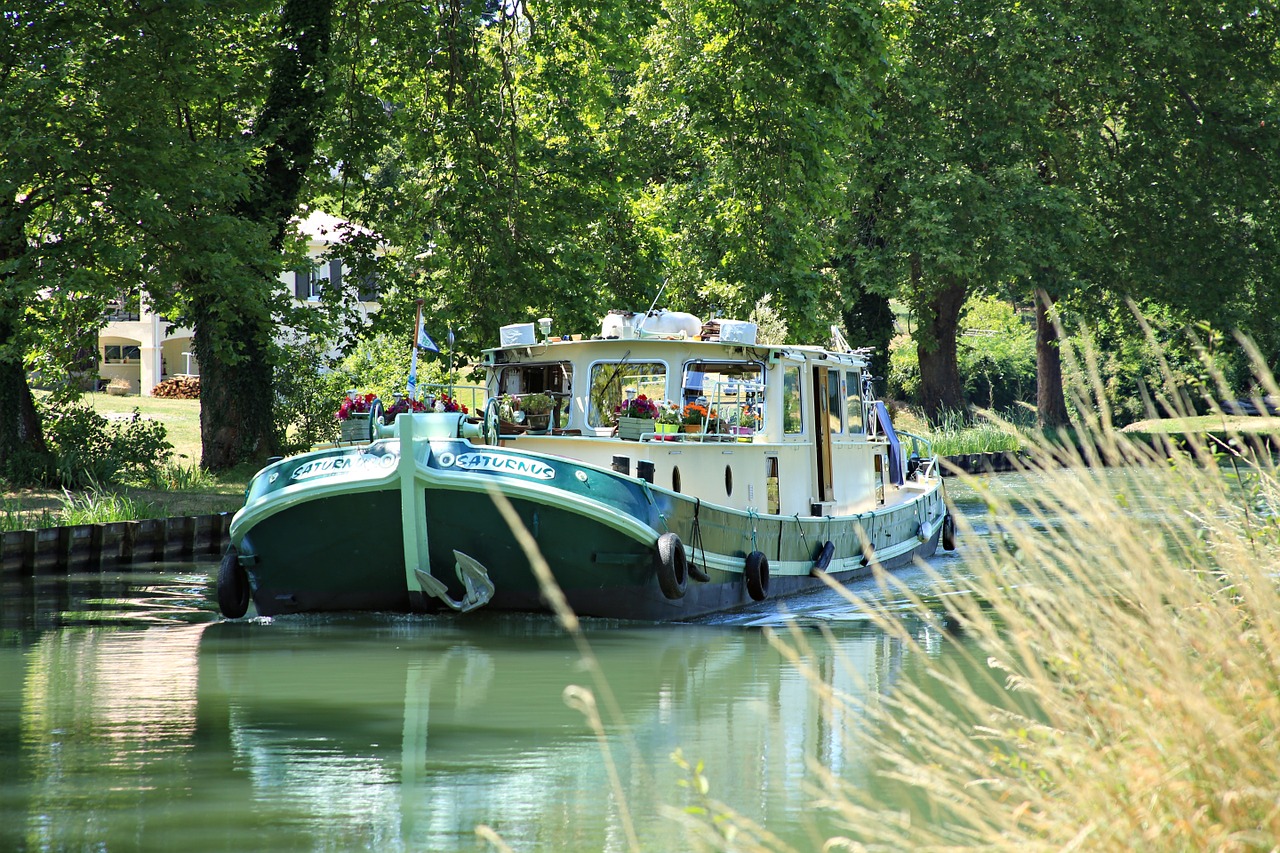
(756, 574)
(948, 532)
(233, 585)
(671, 566)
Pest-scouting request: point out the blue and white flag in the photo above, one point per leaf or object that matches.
(424, 340)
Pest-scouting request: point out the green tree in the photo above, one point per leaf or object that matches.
(752, 108)
(72, 151)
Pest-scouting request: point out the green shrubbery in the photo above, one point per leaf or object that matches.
(309, 387)
(88, 449)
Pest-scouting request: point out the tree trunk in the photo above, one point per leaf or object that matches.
(1051, 403)
(20, 433)
(233, 336)
(236, 391)
(940, 387)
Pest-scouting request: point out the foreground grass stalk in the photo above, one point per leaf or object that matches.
(1128, 621)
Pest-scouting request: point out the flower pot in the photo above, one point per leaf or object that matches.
(632, 428)
(666, 428)
(693, 428)
(538, 423)
(356, 427)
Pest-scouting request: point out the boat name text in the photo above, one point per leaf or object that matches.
(342, 464)
(498, 463)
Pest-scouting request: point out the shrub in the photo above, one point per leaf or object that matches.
(89, 449)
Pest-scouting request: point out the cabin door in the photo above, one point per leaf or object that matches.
(822, 432)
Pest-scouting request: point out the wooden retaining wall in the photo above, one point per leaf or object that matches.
(94, 547)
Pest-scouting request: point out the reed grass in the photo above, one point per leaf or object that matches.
(1126, 627)
(100, 507)
(1114, 681)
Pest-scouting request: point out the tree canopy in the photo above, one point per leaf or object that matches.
(558, 158)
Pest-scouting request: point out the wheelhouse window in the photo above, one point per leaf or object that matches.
(853, 400)
(554, 378)
(792, 401)
(732, 391)
(614, 381)
(834, 407)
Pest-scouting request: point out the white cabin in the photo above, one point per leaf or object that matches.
(798, 436)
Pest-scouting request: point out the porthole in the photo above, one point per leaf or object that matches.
(728, 480)
(675, 478)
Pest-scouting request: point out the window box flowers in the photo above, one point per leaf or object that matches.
(353, 416)
(635, 417)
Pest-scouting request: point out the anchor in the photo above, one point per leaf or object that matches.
(473, 575)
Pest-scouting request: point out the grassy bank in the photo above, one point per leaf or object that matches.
(183, 489)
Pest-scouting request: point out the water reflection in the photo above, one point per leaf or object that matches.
(132, 719)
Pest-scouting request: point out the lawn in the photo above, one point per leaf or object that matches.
(209, 494)
(1207, 425)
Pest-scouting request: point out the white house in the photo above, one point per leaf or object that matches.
(144, 349)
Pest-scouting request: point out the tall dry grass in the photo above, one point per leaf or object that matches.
(1127, 625)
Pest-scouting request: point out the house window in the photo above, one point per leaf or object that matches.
(120, 354)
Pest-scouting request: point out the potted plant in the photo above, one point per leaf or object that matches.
(353, 416)
(401, 406)
(669, 418)
(635, 417)
(445, 403)
(695, 416)
(537, 410)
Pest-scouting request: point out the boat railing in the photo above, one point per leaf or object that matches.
(919, 454)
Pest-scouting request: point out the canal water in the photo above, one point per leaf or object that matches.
(133, 718)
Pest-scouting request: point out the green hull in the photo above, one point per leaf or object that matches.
(357, 528)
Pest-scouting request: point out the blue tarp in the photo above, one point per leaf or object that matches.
(897, 458)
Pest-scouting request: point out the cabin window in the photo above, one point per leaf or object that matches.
(833, 401)
(614, 381)
(853, 400)
(732, 391)
(792, 404)
(555, 378)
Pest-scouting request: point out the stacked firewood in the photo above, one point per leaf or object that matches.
(179, 388)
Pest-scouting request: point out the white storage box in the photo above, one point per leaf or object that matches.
(737, 332)
(517, 335)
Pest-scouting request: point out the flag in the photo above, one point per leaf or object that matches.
(424, 340)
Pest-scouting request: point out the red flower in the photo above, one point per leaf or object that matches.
(355, 406)
(640, 407)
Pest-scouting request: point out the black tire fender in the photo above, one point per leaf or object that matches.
(756, 574)
(948, 532)
(233, 585)
(671, 565)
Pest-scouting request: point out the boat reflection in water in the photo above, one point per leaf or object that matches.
(399, 733)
